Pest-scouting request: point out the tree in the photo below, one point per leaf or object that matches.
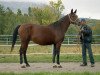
(19, 17)
(58, 7)
(72, 30)
(2, 19)
(19, 12)
(29, 11)
(9, 21)
(37, 14)
(9, 11)
(44, 15)
(47, 14)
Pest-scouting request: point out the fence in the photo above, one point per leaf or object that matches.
(69, 39)
(70, 46)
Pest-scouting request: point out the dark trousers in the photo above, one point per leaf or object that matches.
(84, 55)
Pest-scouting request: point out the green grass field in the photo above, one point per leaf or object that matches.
(52, 73)
(48, 49)
(35, 58)
(46, 58)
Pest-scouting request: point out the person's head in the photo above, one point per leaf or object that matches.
(83, 22)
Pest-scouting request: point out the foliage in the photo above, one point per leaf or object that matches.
(2, 19)
(72, 30)
(57, 8)
(44, 15)
(38, 15)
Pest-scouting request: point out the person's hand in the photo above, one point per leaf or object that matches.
(82, 30)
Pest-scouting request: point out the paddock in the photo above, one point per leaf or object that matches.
(40, 58)
(47, 67)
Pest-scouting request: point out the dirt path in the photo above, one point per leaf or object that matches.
(47, 67)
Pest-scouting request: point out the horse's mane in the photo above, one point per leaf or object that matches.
(58, 22)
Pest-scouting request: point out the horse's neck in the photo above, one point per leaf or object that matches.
(61, 25)
(65, 24)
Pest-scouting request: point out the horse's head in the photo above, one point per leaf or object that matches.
(73, 17)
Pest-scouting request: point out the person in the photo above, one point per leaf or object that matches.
(86, 39)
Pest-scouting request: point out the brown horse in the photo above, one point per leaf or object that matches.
(44, 35)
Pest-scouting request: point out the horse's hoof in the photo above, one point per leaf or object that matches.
(23, 66)
(59, 66)
(55, 66)
(27, 65)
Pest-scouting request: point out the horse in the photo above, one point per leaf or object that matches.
(44, 35)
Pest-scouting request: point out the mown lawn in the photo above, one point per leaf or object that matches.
(48, 49)
(52, 73)
(45, 58)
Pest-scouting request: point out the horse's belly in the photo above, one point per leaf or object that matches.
(43, 40)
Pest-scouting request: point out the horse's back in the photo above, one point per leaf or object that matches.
(42, 35)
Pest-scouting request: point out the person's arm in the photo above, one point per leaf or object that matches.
(87, 31)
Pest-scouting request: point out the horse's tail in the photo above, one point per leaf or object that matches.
(15, 33)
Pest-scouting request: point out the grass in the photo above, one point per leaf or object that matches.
(52, 73)
(48, 49)
(45, 58)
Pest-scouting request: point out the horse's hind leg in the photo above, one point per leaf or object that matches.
(25, 60)
(23, 50)
(21, 55)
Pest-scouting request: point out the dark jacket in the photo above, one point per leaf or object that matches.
(86, 34)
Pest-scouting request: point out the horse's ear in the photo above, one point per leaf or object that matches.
(75, 11)
(71, 11)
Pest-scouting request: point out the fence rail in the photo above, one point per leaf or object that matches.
(69, 46)
(69, 39)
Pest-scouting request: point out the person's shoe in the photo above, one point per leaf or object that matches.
(92, 65)
(83, 64)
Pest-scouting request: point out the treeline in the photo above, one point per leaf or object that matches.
(38, 15)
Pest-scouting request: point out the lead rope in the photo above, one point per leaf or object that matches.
(78, 36)
(78, 39)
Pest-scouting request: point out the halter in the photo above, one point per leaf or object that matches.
(71, 19)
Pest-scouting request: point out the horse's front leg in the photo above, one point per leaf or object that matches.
(58, 45)
(54, 55)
